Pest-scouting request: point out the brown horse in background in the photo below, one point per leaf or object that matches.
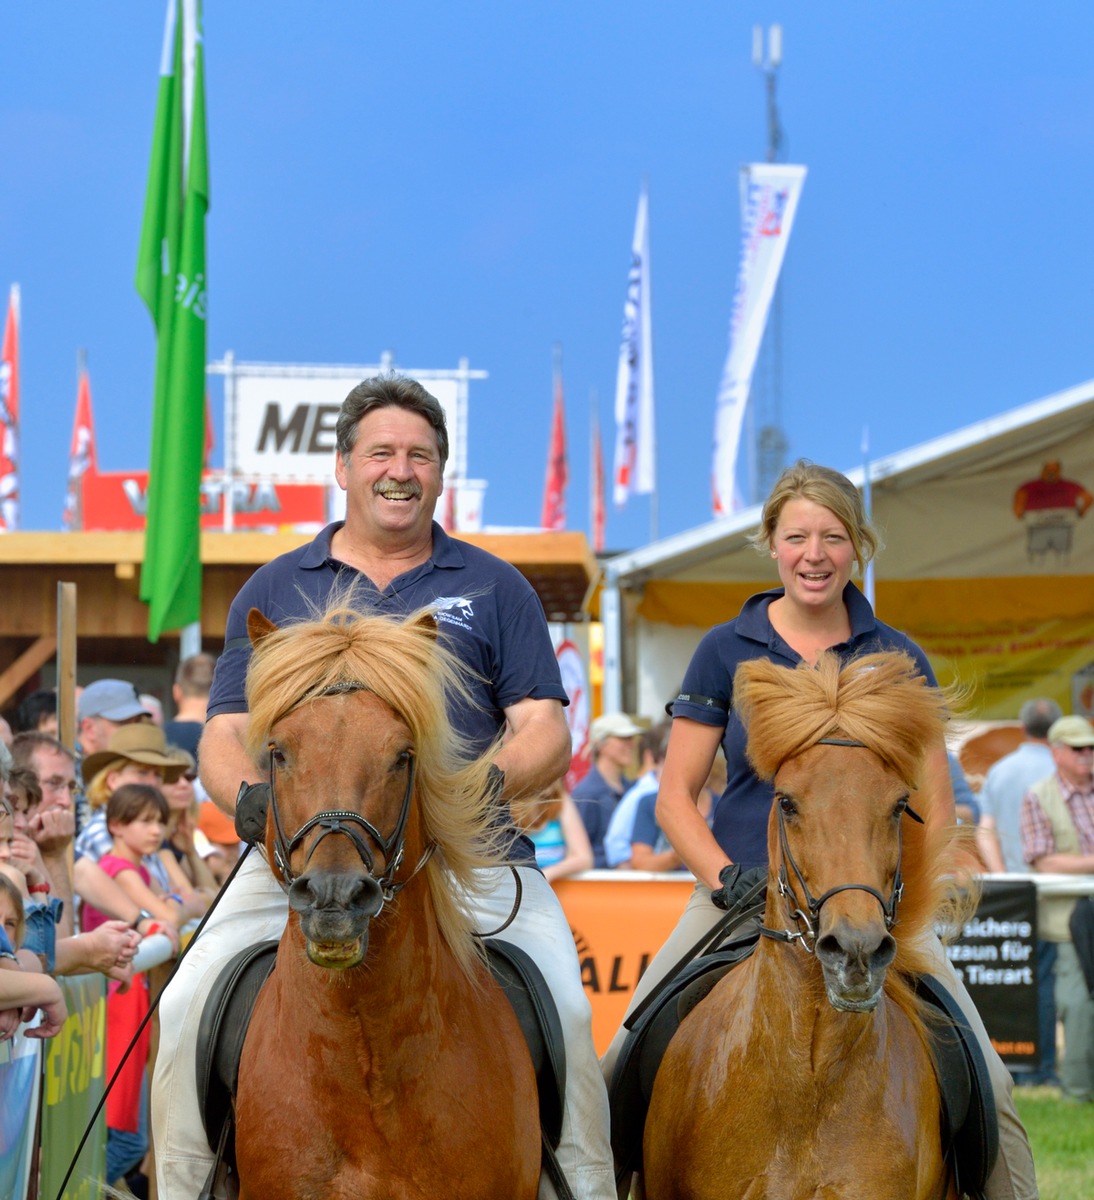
(382, 1060)
(807, 1072)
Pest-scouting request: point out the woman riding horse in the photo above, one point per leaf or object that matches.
(815, 528)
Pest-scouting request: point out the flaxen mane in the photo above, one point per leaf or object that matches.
(882, 701)
(404, 665)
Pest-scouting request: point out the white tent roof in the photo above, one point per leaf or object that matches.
(988, 445)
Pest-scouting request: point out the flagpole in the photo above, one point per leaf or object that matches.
(593, 423)
(868, 573)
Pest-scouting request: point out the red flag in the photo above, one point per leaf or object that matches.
(9, 417)
(598, 489)
(210, 432)
(554, 491)
(81, 454)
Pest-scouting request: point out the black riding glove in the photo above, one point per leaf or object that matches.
(252, 805)
(736, 884)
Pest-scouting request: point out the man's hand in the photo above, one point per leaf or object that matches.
(109, 949)
(52, 831)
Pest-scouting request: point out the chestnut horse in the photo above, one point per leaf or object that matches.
(382, 1060)
(806, 1073)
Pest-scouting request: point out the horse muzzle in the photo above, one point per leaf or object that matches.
(854, 962)
(335, 909)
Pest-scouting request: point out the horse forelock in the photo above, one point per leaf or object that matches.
(881, 701)
(400, 661)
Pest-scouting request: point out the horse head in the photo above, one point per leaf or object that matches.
(835, 847)
(843, 746)
(341, 785)
(366, 778)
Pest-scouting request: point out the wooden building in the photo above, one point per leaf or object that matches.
(112, 623)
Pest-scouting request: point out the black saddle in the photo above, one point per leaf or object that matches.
(970, 1133)
(228, 1014)
(970, 1120)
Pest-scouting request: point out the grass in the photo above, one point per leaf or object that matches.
(1062, 1137)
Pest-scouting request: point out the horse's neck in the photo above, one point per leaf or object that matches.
(798, 1022)
(407, 966)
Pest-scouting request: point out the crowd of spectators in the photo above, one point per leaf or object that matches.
(100, 849)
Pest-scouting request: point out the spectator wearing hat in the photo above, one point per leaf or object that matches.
(102, 707)
(39, 793)
(1058, 838)
(612, 736)
(137, 753)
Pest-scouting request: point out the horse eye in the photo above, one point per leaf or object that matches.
(789, 808)
(278, 756)
(901, 807)
(402, 760)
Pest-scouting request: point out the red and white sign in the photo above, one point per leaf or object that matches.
(571, 664)
(118, 500)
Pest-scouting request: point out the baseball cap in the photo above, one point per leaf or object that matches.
(613, 724)
(1071, 731)
(113, 699)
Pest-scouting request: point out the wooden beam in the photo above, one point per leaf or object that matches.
(34, 656)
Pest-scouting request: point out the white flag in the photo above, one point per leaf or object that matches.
(769, 200)
(633, 470)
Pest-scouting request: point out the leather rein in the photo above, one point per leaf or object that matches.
(345, 822)
(807, 919)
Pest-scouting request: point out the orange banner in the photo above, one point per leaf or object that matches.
(619, 924)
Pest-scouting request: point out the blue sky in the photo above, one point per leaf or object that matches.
(447, 180)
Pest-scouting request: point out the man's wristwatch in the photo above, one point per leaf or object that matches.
(144, 915)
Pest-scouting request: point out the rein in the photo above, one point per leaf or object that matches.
(343, 821)
(810, 916)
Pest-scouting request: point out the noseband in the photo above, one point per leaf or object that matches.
(810, 916)
(343, 821)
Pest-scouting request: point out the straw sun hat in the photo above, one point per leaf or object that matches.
(142, 743)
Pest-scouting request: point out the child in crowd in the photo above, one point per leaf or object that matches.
(553, 825)
(136, 817)
(23, 991)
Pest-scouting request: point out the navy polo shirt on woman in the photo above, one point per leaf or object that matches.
(740, 819)
(487, 612)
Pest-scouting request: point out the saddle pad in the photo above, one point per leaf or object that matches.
(224, 1025)
(970, 1125)
(527, 992)
(636, 1068)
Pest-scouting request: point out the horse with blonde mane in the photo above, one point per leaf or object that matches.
(807, 1071)
(382, 1060)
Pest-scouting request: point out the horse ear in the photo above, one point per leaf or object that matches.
(259, 626)
(426, 623)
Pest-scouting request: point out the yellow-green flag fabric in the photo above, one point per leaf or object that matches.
(171, 281)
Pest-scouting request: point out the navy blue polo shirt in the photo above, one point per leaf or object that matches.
(740, 819)
(487, 612)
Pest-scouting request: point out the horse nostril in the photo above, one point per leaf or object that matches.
(828, 948)
(301, 894)
(884, 954)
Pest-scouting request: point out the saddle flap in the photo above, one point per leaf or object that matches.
(224, 1023)
(636, 1068)
(527, 992)
(970, 1127)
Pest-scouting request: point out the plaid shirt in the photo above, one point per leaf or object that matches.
(1037, 836)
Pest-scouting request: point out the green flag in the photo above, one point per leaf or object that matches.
(171, 281)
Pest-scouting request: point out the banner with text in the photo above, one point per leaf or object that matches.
(769, 200)
(285, 425)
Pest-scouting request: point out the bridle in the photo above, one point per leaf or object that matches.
(810, 916)
(343, 821)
